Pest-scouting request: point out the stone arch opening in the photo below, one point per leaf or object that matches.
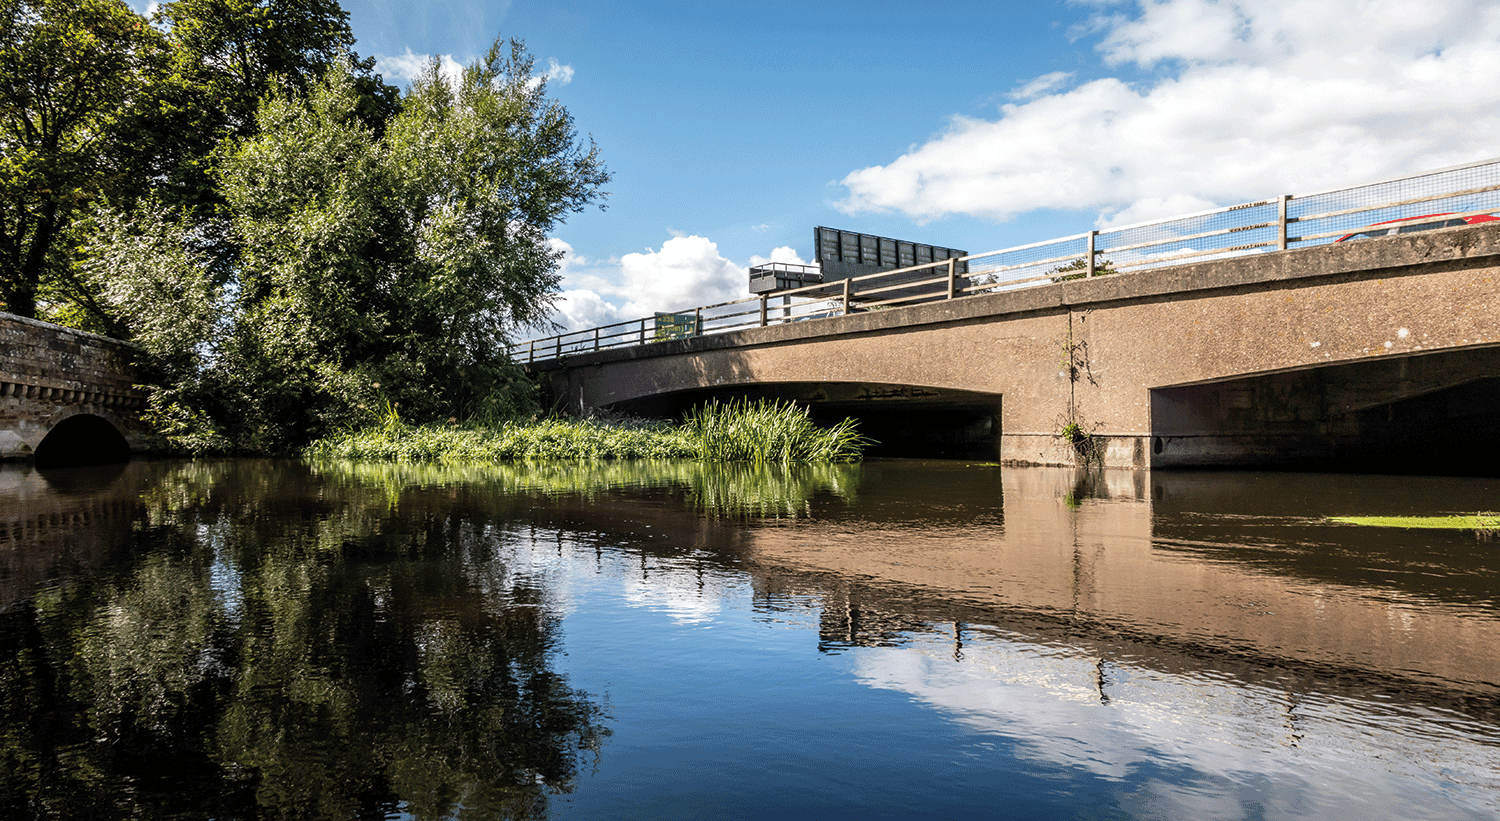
(84, 439)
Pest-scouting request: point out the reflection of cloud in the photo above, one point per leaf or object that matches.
(1245, 98)
(1218, 742)
(676, 593)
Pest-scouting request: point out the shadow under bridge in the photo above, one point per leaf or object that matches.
(903, 420)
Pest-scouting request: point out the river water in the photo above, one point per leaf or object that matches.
(895, 639)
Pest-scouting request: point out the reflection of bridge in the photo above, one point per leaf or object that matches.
(1360, 354)
(65, 395)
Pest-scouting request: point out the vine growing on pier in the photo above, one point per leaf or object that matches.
(1073, 429)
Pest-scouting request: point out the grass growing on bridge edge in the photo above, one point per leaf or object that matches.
(737, 431)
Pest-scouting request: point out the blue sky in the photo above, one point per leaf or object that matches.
(732, 129)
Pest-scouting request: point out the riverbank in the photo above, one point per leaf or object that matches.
(742, 431)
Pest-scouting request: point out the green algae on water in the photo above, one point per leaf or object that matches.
(1476, 521)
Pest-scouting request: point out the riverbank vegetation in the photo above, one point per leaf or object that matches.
(763, 431)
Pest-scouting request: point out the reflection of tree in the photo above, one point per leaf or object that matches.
(263, 657)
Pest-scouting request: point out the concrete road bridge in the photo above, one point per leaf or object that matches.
(66, 397)
(1380, 355)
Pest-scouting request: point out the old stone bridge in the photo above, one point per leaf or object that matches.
(66, 396)
(1374, 355)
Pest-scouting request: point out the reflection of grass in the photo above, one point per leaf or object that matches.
(1486, 523)
(761, 491)
(544, 439)
(729, 490)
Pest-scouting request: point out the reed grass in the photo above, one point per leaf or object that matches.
(759, 432)
(768, 431)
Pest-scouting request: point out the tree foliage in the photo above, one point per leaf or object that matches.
(96, 105)
(226, 56)
(72, 75)
(376, 267)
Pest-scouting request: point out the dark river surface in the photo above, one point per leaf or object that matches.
(897, 639)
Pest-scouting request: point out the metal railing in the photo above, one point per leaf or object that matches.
(1289, 221)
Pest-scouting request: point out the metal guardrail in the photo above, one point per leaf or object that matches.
(1288, 221)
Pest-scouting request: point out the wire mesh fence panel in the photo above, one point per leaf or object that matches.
(1241, 229)
(1026, 266)
(1317, 219)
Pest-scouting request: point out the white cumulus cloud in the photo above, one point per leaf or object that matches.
(557, 73)
(1248, 98)
(407, 67)
(783, 253)
(684, 273)
(1044, 84)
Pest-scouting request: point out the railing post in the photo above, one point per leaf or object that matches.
(698, 321)
(952, 277)
(596, 339)
(643, 330)
(1089, 254)
(1281, 222)
(559, 346)
(763, 310)
(531, 351)
(846, 296)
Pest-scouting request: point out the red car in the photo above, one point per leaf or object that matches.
(1426, 222)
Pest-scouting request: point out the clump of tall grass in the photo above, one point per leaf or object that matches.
(551, 438)
(741, 431)
(768, 431)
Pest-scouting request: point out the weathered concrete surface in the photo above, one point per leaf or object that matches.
(1097, 350)
(49, 374)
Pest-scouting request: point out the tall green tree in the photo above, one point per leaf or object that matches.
(225, 57)
(376, 268)
(71, 72)
(97, 104)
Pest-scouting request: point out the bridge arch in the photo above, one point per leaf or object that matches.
(902, 419)
(80, 437)
(49, 375)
